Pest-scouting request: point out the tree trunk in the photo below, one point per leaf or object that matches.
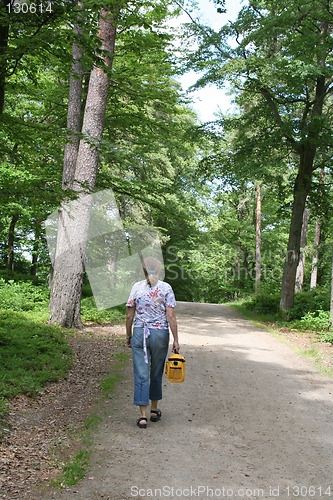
(314, 272)
(331, 307)
(33, 268)
(34, 260)
(238, 264)
(68, 268)
(245, 268)
(11, 240)
(258, 242)
(240, 215)
(301, 263)
(74, 111)
(65, 300)
(302, 189)
(4, 33)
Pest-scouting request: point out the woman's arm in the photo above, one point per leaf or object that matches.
(129, 323)
(172, 320)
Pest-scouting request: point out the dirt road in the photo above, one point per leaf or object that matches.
(252, 420)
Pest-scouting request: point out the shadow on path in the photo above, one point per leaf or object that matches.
(252, 420)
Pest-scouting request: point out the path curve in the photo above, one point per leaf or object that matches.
(252, 420)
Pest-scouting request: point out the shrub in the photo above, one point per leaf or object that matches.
(318, 321)
(31, 354)
(22, 295)
(265, 303)
(310, 301)
(89, 312)
(326, 336)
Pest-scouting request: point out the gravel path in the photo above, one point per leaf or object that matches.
(252, 420)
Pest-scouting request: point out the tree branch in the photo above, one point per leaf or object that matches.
(272, 104)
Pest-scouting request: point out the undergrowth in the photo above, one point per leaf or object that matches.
(31, 354)
(31, 351)
(309, 314)
(90, 313)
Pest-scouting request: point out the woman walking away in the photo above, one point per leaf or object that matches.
(151, 304)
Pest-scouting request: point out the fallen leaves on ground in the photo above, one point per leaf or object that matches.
(42, 432)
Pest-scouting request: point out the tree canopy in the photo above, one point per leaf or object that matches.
(197, 184)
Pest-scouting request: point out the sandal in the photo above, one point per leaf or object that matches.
(156, 415)
(142, 426)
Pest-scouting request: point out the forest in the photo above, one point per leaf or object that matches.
(90, 100)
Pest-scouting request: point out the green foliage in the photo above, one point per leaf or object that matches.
(31, 354)
(157, 159)
(310, 313)
(109, 383)
(265, 303)
(22, 296)
(279, 70)
(75, 469)
(318, 321)
(309, 301)
(326, 336)
(89, 312)
(311, 304)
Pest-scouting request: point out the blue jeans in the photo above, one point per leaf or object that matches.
(148, 376)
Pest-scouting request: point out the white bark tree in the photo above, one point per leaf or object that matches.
(331, 306)
(301, 264)
(258, 241)
(65, 300)
(314, 272)
(74, 109)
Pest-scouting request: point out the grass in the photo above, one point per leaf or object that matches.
(89, 312)
(31, 354)
(76, 468)
(109, 383)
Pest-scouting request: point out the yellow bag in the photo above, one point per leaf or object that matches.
(175, 368)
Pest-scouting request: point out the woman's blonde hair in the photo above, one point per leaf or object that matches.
(152, 264)
(152, 268)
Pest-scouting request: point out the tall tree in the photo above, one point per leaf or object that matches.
(74, 106)
(301, 262)
(314, 271)
(283, 59)
(65, 299)
(4, 33)
(258, 241)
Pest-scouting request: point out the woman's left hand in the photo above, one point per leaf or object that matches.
(175, 347)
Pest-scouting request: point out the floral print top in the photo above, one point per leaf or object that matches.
(150, 307)
(151, 303)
